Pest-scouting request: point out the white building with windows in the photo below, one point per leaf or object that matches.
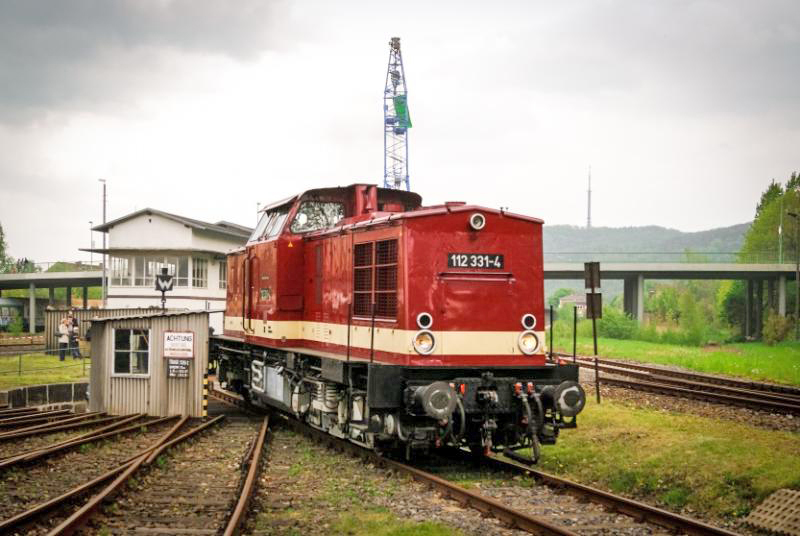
(194, 252)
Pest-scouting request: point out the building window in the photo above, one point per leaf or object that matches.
(146, 268)
(182, 278)
(223, 274)
(131, 351)
(375, 279)
(199, 273)
(120, 272)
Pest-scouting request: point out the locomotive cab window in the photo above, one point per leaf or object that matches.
(270, 224)
(132, 352)
(316, 215)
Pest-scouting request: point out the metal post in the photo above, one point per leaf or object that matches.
(19, 367)
(91, 245)
(552, 321)
(69, 297)
(596, 377)
(85, 297)
(372, 336)
(104, 280)
(349, 327)
(574, 334)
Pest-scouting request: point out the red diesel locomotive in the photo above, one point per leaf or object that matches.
(395, 325)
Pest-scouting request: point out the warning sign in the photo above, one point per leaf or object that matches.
(178, 368)
(179, 344)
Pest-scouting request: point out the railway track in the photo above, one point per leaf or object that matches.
(728, 391)
(195, 490)
(552, 513)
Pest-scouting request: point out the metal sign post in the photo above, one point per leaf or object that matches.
(164, 284)
(594, 310)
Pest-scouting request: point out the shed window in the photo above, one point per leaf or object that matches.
(131, 351)
(375, 278)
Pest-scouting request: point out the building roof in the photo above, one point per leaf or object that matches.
(155, 313)
(221, 227)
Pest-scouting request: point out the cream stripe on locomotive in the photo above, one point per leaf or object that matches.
(397, 341)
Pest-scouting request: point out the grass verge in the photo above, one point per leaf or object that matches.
(381, 522)
(680, 461)
(753, 360)
(38, 369)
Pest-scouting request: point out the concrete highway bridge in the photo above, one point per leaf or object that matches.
(633, 274)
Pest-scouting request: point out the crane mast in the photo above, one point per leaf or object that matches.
(396, 122)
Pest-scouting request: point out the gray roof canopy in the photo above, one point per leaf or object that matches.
(221, 227)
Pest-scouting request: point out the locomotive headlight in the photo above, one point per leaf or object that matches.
(477, 221)
(528, 342)
(424, 343)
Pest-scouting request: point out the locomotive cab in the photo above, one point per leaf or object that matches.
(395, 325)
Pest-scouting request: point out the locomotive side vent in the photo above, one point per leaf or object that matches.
(375, 278)
(362, 279)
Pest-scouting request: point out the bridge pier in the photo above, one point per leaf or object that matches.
(32, 309)
(759, 307)
(85, 297)
(633, 297)
(782, 295)
(51, 296)
(69, 297)
(748, 309)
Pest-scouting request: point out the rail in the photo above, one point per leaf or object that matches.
(510, 517)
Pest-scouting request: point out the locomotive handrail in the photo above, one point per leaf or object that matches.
(477, 276)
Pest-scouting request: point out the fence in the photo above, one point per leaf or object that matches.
(52, 317)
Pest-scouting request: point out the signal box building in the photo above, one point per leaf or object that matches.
(194, 252)
(149, 363)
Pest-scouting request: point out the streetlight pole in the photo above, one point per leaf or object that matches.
(91, 244)
(796, 274)
(105, 281)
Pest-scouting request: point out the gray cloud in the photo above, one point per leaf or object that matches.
(93, 53)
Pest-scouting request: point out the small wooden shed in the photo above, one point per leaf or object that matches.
(149, 363)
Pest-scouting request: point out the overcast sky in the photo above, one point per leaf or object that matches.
(685, 110)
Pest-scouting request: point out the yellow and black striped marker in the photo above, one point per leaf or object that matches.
(205, 394)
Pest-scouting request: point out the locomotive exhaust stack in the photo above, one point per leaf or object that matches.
(397, 326)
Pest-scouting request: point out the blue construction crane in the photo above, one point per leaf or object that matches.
(396, 122)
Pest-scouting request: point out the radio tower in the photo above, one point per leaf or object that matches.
(396, 122)
(589, 211)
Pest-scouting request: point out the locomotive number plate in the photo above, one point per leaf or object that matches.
(475, 260)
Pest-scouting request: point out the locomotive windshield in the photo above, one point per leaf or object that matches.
(315, 215)
(270, 224)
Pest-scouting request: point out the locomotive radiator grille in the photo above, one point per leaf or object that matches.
(375, 278)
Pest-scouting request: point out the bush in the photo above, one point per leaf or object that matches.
(15, 326)
(776, 328)
(616, 325)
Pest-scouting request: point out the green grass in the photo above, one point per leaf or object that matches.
(38, 369)
(753, 360)
(380, 522)
(713, 466)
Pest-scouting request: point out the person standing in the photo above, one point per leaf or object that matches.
(63, 338)
(74, 336)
